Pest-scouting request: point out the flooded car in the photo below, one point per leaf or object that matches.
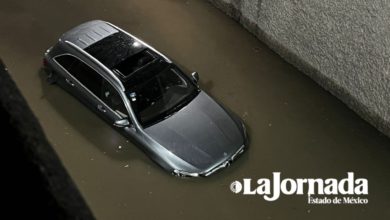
(147, 98)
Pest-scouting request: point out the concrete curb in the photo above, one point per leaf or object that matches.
(369, 93)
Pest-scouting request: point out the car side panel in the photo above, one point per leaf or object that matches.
(65, 79)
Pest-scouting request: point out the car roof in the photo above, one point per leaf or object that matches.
(88, 33)
(95, 34)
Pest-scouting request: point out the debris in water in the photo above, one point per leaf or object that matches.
(244, 115)
(127, 165)
(270, 125)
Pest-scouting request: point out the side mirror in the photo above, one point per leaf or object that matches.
(122, 123)
(195, 77)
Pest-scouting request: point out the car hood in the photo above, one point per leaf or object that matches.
(202, 133)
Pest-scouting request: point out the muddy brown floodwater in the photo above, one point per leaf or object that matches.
(295, 126)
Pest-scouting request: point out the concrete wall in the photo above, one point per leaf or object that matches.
(34, 182)
(343, 45)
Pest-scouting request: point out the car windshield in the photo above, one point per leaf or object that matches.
(158, 92)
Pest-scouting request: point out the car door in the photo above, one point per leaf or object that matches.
(87, 85)
(66, 79)
(110, 96)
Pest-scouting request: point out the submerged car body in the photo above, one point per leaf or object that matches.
(147, 97)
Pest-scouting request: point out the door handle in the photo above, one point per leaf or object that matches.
(101, 108)
(69, 82)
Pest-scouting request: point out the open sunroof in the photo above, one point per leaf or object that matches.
(134, 63)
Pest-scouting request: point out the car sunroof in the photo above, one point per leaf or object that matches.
(115, 48)
(134, 63)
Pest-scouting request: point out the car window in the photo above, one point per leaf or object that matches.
(93, 81)
(158, 96)
(112, 98)
(82, 72)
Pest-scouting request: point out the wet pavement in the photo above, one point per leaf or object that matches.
(295, 126)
